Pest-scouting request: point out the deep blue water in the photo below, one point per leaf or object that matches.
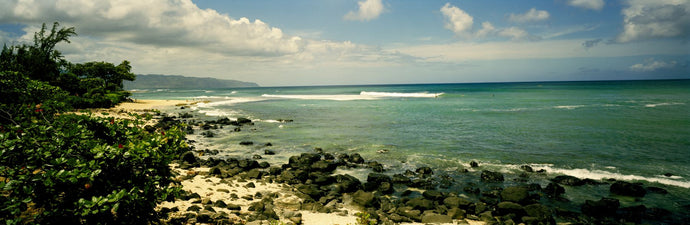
(630, 130)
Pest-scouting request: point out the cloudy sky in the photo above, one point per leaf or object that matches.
(317, 42)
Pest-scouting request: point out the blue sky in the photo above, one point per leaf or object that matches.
(315, 42)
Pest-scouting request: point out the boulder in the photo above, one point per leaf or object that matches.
(633, 213)
(527, 168)
(433, 195)
(269, 152)
(489, 176)
(356, 158)
(505, 208)
(311, 190)
(554, 190)
(424, 171)
(539, 214)
(189, 157)
(363, 198)
(605, 207)
(474, 164)
(246, 143)
(421, 203)
(627, 189)
(517, 194)
(409, 212)
(436, 218)
(347, 183)
(568, 180)
(457, 202)
(401, 179)
(323, 166)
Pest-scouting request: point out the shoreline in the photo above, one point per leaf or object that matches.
(213, 182)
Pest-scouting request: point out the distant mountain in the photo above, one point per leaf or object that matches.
(157, 81)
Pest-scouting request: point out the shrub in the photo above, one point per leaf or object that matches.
(78, 169)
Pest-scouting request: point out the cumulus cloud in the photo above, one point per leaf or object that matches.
(648, 19)
(368, 10)
(159, 23)
(650, 65)
(587, 4)
(487, 29)
(532, 15)
(457, 20)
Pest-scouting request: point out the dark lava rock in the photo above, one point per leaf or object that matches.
(421, 203)
(633, 213)
(457, 202)
(433, 195)
(347, 183)
(657, 190)
(363, 198)
(246, 143)
(376, 166)
(409, 212)
(490, 176)
(436, 218)
(554, 190)
(627, 189)
(603, 208)
(527, 168)
(220, 204)
(189, 157)
(538, 213)
(474, 164)
(324, 166)
(356, 158)
(505, 208)
(269, 152)
(424, 171)
(401, 179)
(379, 182)
(517, 194)
(194, 208)
(310, 189)
(233, 207)
(256, 157)
(247, 164)
(293, 176)
(568, 180)
(243, 120)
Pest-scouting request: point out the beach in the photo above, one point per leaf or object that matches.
(308, 181)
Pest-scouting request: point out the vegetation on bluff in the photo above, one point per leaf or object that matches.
(62, 168)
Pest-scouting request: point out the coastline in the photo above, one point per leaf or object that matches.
(241, 189)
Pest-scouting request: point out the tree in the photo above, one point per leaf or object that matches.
(111, 75)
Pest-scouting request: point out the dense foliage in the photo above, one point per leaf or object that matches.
(60, 168)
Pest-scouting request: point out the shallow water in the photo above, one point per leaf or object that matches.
(627, 130)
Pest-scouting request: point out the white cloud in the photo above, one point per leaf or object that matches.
(368, 10)
(457, 20)
(587, 4)
(532, 15)
(158, 23)
(648, 19)
(487, 29)
(514, 33)
(652, 65)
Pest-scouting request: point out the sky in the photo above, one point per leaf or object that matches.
(348, 42)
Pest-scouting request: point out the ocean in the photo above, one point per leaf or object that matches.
(637, 131)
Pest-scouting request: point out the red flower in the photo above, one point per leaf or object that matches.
(38, 110)
(162, 132)
(120, 146)
(112, 121)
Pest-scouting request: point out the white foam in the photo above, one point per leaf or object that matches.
(323, 97)
(402, 95)
(216, 112)
(600, 174)
(568, 106)
(662, 104)
(231, 101)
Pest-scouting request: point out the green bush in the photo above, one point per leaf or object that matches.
(78, 169)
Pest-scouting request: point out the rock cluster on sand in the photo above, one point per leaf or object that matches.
(421, 196)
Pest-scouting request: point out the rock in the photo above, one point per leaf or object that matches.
(215, 171)
(603, 208)
(505, 208)
(247, 164)
(517, 194)
(457, 202)
(657, 214)
(657, 190)
(539, 213)
(456, 213)
(253, 174)
(347, 183)
(356, 158)
(220, 204)
(436, 218)
(490, 176)
(256, 157)
(411, 213)
(474, 164)
(376, 166)
(527, 168)
(401, 179)
(568, 180)
(242, 120)
(627, 189)
(424, 171)
(194, 208)
(554, 190)
(633, 213)
(269, 152)
(433, 195)
(189, 157)
(323, 166)
(293, 176)
(246, 143)
(363, 198)
(421, 203)
(311, 190)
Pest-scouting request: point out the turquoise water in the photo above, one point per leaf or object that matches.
(629, 130)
